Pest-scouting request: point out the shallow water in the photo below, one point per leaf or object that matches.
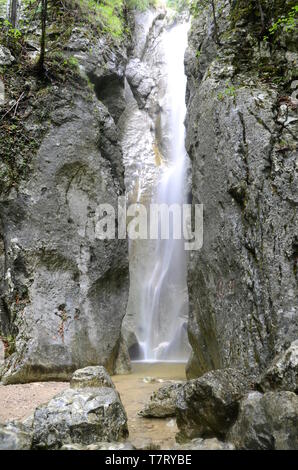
(19, 401)
(135, 392)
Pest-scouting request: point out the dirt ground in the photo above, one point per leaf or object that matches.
(19, 401)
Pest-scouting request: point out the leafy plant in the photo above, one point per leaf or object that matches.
(285, 22)
(230, 90)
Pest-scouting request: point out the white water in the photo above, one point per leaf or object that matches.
(162, 332)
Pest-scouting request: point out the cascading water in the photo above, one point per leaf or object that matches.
(162, 329)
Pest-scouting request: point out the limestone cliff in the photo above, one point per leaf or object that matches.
(63, 290)
(241, 137)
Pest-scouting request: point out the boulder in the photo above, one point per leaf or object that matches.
(80, 416)
(162, 403)
(282, 374)
(14, 436)
(6, 58)
(267, 422)
(208, 406)
(205, 444)
(93, 376)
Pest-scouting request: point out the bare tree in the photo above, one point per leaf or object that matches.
(13, 12)
(261, 15)
(217, 40)
(44, 11)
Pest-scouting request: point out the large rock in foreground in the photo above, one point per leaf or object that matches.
(208, 406)
(267, 422)
(162, 403)
(80, 416)
(14, 436)
(93, 376)
(283, 372)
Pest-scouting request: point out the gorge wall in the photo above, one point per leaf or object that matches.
(241, 137)
(63, 290)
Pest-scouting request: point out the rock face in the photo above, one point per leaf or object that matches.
(14, 436)
(81, 416)
(208, 406)
(91, 377)
(282, 374)
(162, 404)
(63, 289)
(267, 422)
(241, 140)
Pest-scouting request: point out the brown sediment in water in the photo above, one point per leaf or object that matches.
(19, 401)
(135, 392)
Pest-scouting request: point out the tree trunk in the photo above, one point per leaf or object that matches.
(261, 15)
(44, 9)
(13, 13)
(215, 23)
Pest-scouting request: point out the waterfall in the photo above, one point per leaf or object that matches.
(163, 332)
(153, 134)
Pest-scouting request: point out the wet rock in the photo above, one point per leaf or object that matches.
(6, 58)
(267, 422)
(208, 406)
(282, 374)
(80, 416)
(139, 78)
(93, 376)
(100, 446)
(14, 436)
(162, 403)
(123, 364)
(205, 444)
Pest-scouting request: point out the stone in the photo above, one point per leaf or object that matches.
(80, 416)
(282, 374)
(205, 444)
(267, 422)
(6, 58)
(14, 436)
(162, 403)
(93, 376)
(208, 406)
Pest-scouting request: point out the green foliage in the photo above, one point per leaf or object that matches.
(141, 5)
(179, 5)
(285, 22)
(11, 37)
(266, 18)
(230, 90)
(9, 345)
